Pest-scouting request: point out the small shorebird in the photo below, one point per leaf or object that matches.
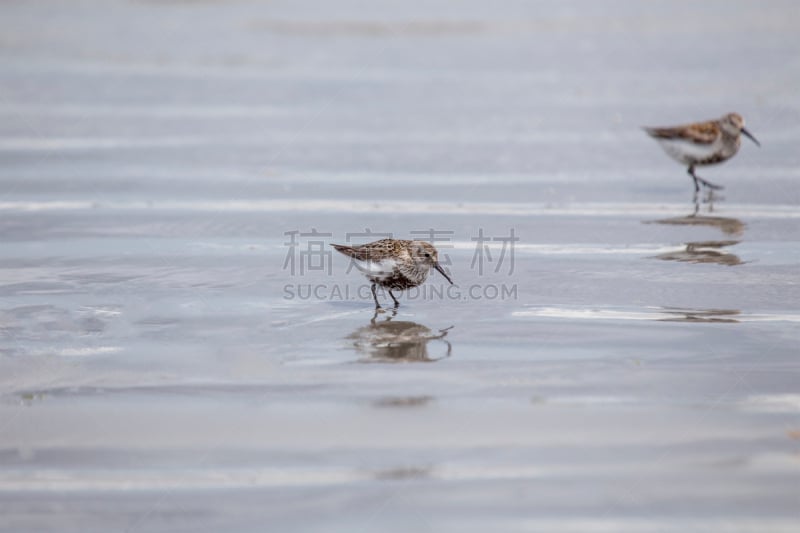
(703, 143)
(394, 264)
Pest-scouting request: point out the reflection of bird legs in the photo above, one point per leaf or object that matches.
(378, 310)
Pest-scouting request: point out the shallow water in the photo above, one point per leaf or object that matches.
(169, 363)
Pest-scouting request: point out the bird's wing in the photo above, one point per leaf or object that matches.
(373, 251)
(373, 259)
(700, 133)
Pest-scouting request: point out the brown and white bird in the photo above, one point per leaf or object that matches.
(703, 143)
(394, 264)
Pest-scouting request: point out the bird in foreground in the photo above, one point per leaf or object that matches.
(703, 143)
(394, 264)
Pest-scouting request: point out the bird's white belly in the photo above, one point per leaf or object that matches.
(688, 153)
(376, 269)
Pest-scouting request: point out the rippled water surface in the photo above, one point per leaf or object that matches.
(180, 349)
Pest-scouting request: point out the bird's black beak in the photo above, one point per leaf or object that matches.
(750, 136)
(438, 267)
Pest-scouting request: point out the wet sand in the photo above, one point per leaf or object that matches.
(169, 363)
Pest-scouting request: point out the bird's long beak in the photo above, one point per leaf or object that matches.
(438, 267)
(750, 136)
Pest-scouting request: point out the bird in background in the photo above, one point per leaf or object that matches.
(394, 264)
(703, 143)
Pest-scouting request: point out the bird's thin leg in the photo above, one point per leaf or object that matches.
(396, 303)
(696, 206)
(712, 186)
(375, 296)
(706, 183)
(695, 178)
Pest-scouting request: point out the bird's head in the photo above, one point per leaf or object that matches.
(425, 254)
(733, 124)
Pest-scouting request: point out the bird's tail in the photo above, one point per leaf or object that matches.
(662, 133)
(652, 132)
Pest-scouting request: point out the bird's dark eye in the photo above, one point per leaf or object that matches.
(427, 255)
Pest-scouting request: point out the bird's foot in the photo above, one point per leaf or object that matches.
(710, 197)
(388, 314)
(709, 185)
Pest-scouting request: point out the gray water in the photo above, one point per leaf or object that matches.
(163, 366)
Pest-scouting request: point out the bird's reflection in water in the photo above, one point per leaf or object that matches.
(403, 402)
(701, 315)
(703, 252)
(728, 225)
(397, 341)
(404, 473)
(711, 251)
